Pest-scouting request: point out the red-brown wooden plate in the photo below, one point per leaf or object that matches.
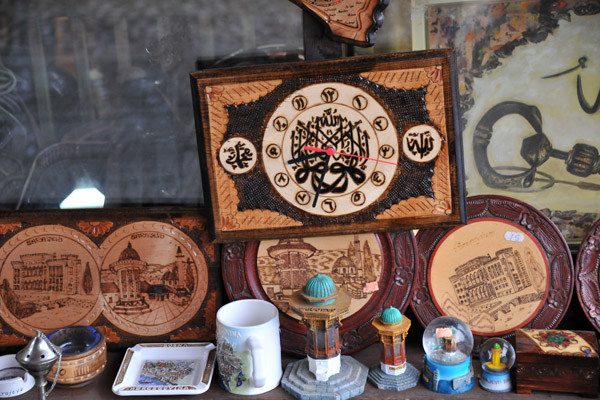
(508, 268)
(376, 269)
(587, 272)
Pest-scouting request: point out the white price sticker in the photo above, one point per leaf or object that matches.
(514, 236)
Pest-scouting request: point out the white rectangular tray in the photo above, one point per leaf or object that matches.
(165, 368)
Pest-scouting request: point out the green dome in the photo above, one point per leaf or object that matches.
(319, 286)
(391, 315)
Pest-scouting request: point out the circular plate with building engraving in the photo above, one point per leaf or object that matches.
(375, 269)
(588, 275)
(508, 268)
(49, 278)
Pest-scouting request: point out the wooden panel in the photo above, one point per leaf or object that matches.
(134, 274)
(321, 148)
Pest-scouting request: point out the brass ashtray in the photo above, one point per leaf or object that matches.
(83, 355)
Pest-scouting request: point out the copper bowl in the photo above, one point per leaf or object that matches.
(83, 355)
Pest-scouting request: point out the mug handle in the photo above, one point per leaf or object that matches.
(257, 352)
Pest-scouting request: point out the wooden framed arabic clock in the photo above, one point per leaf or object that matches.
(321, 148)
(350, 21)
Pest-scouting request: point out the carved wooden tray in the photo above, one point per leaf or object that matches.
(362, 144)
(376, 269)
(508, 268)
(588, 275)
(133, 274)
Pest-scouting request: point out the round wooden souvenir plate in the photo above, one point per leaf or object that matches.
(376, 269)
(588, 275)
(508, 268)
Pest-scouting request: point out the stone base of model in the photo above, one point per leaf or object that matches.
(302, 384)
(406, 380)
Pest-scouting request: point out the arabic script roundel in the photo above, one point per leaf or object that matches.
(330, 149)
(153, 278)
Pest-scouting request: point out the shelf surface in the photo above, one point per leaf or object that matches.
(100, 388)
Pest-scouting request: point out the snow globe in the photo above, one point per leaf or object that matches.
(447, 342)
(497, 357)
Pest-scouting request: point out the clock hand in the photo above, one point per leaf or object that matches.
(304, 158)
(320, 185)
(331, 152)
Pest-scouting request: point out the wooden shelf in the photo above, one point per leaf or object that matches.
(100, 388)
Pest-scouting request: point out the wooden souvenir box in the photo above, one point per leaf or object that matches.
(556, 360)
(138, 275)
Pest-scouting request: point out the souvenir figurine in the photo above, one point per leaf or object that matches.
(497, 357)
(448, 342)
(393, 373)
(324, 373)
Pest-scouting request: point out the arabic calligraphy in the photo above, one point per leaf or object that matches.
(331, 129)
(422, 143)
(238, 155)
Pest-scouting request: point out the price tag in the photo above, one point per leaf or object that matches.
(514, 236)
(371, 287)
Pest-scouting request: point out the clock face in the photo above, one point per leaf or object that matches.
(335, 117)
(360, 144)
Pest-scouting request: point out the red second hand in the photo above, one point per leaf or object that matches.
(330, 151)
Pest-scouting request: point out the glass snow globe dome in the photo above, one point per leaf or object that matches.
(447, 340)
(496, 354)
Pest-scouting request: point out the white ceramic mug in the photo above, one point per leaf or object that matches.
(248, 346)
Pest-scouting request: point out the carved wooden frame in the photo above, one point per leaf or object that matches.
(248, 206)
(399, 259)
(550, 241)
(587, 270)
(97, 240)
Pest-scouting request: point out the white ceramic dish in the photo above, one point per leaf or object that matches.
(14, 380)
(165, 368)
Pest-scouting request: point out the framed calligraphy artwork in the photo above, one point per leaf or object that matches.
(529, 100)
(306, 149)
(148, 274)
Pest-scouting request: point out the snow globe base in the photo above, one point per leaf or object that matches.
(445, 378)
(493, 381)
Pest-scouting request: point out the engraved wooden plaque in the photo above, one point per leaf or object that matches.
(375, 269)
(588, 275)
(354, 145)
(148, 275)
(349, 21)
(508, 268)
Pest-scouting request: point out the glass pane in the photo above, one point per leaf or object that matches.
(96, 94)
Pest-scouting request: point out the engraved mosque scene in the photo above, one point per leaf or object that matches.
(352, 261)
(148, 293)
